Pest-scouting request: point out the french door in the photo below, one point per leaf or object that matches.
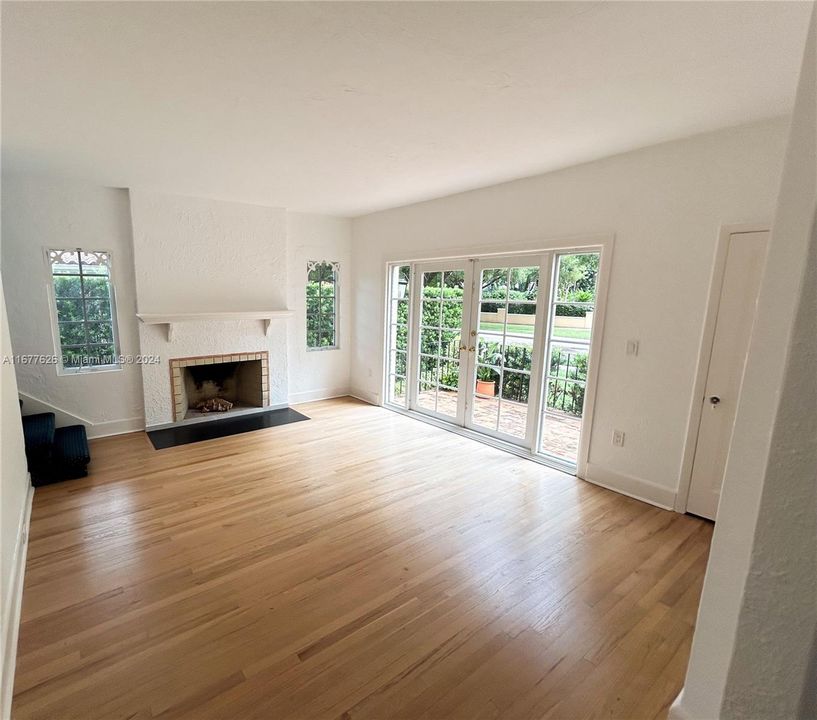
(499, 345)
(476, 351)
(504, 352)
(440, 352)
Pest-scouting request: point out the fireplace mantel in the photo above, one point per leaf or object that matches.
(171, 319)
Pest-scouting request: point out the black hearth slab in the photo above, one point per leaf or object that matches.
(212, 429)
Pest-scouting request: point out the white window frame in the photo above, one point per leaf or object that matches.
(106, 255)
(310, 266)
(390, 338)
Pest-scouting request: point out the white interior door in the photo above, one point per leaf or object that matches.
(733, 328)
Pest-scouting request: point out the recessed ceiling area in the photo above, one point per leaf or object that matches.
(347, 108)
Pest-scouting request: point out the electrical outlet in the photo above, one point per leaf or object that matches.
(618, 438)
(631, 347)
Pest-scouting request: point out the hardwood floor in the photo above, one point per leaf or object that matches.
(359, 565)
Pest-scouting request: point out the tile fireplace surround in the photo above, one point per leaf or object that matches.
(177, 365)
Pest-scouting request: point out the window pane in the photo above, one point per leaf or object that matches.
(568, 363)
(515, 386)
(452, 315)
(487, 381)
(398, 363)
(521, 319)
(432, 283)
(96, 287)
(428, 369)
(449, 373)
(577, 277)
(524, 283)
(427, 396)
(430, 341)
(72, 334)
(67, 286)
(72, 357)
(489, 350)
(485, 411)
(454, 283)
(513, 418)
(100, 332)
(327, 328)
(494, 284)
(320, 305)
(518, 355)
(399, 311)
(565, 396)
(450, 343)
(85, 327)
(312, 331)
(69, 310)
(400, 335)
(431, 313)
(573, 322)
(100, 355)
(400, 281)
(98, 309)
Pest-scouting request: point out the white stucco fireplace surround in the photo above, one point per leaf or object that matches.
(264, 340)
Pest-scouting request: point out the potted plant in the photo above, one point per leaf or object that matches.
(486, 382)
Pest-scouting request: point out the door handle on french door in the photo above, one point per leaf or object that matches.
(471, 349)
(714, 399)
(463, 348)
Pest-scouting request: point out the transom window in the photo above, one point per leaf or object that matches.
(86, 332)
(321, 305)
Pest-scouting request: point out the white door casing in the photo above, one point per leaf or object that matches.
(745, 257)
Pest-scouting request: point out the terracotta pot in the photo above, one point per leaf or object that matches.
(486, 387)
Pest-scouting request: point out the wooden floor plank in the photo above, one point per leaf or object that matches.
(361, 565)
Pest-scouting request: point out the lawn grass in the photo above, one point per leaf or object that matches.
(562, 332)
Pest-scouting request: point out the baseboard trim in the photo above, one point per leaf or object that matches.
(92, 429)
(367, 397)
(633, 487)
(13, 605)
(321, 394)
(115, 427)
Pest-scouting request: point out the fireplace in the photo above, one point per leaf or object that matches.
(205, 386)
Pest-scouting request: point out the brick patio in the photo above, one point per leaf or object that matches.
(560, 435)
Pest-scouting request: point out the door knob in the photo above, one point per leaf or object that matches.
(463, 348)
(471, 349)
(714, 399)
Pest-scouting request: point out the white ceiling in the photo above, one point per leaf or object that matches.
(346, 108)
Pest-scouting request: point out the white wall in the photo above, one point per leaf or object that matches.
(38, 213)
(754, 654)
(185, 255)
(14, 489)
(322, 373)
(665, 205)
(200, 255)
